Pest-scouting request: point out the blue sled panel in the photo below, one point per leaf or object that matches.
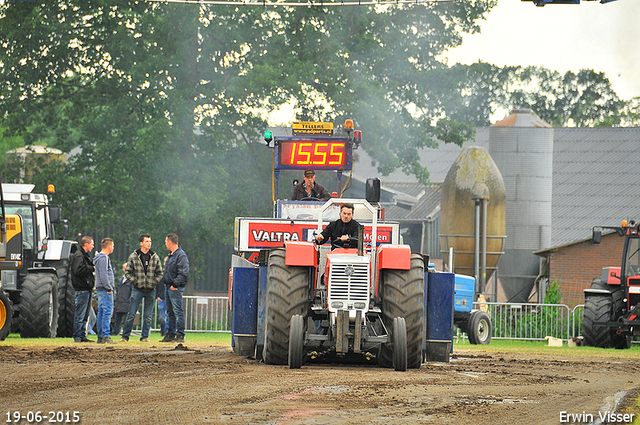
(245, 302)
(440, 290)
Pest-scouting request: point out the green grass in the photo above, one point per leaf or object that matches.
(208, 339)
(541, 347)
(194, 339)
(633, 409)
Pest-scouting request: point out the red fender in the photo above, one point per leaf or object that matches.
(300, 254)
(397, 257)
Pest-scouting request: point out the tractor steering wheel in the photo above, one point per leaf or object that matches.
(309, 198)
(352, 242)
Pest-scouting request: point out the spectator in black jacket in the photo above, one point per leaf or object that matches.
(175, 277)
(343, 230)
(121, 303)
(83, 281)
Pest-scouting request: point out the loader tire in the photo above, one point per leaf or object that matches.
(6, 315)
(617, 304)
(622, 341)
(403, 296)
(39, 306)
(597, 308)
(67, 300)
(287, 295)
(596, 283)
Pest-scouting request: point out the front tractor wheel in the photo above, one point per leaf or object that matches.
(597, 309)
(287, 295)
(6, 315)
(296, 342)
(399, 344)
(479, 328)
(403, 296)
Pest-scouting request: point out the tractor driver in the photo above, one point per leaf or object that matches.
(342, 230)
(309, 188)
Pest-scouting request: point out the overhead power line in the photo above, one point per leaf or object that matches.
(309, 3)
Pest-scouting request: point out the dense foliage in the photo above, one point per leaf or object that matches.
(160, 107)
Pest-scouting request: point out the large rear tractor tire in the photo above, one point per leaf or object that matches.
(287, 295)
(67, 299)
(597, 308)
(403, 296)
(6, 315)
(479, 328)
(39, 306)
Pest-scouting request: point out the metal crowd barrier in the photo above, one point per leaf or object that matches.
(526, 321)
(201, 314)
(530, 321)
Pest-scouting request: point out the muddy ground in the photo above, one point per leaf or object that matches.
(168, 384)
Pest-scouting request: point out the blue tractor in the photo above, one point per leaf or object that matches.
(476, 323)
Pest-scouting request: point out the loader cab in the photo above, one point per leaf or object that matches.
(26, 213)
(630, 267)
(36, 227)
(632, 257)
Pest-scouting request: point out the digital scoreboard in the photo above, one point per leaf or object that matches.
(310, 144)
(328, 154)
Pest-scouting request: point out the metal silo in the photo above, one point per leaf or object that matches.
(522, 147)
(472, 214)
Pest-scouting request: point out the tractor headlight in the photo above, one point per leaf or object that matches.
(337, 304)
(359, 306)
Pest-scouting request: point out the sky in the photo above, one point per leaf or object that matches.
(589, 35)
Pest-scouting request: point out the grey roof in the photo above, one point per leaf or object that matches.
(438, 161)
(426, 205)
(595, 173)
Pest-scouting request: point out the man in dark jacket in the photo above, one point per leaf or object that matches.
(309, 188)
(343, 230)
(144, 271)
(175, 276)
(83, 281)
(121, 303)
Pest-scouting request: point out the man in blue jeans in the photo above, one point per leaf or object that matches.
(82, 279)
(175, 276)
(144, 271)
(105, 285)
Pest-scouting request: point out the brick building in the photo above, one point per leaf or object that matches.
(573, 266)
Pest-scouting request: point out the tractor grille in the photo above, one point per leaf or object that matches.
(349, 283)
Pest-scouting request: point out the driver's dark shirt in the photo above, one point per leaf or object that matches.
(338, 228)
(317, 191)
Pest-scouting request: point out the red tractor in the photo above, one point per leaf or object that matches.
(293, 300)
(612, 304)
(364, 301)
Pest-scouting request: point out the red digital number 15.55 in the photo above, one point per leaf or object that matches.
(316, 154)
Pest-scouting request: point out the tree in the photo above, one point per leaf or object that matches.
(477, 91)
(161, 105)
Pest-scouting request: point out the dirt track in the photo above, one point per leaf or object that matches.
(161, 384)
